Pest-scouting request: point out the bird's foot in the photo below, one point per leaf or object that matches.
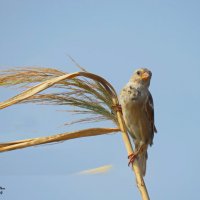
(117, 108)
(132, 158)
(134, 155)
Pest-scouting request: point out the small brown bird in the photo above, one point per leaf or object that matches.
(138, 112)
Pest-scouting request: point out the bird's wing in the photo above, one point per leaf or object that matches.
(149, 108)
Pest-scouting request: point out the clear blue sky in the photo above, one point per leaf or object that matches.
(112, 39)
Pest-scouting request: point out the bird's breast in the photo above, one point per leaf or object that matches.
(132, 102)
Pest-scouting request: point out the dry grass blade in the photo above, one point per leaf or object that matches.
(27, 75)
(97, 170)
(55, 138)
(86, 94)
(46, 84)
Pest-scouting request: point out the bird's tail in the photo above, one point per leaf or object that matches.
(142, 160)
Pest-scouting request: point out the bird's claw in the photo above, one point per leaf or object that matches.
(132, 158)
(117, 108)
(134, 155)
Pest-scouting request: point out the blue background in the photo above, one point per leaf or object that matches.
(111, 39)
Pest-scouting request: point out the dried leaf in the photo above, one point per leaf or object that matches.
(55, 138)
(98, 170)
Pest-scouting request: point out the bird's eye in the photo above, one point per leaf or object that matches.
(138, 73)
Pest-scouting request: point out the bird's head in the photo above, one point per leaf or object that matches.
(142, 77)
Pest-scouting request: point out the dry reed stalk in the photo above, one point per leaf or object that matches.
(48, 83)
(139, 178)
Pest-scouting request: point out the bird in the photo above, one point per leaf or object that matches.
(138, 112)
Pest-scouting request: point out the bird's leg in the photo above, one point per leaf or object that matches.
(117, 108)
(134, 155)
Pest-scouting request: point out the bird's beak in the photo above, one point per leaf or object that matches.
(145, 76)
